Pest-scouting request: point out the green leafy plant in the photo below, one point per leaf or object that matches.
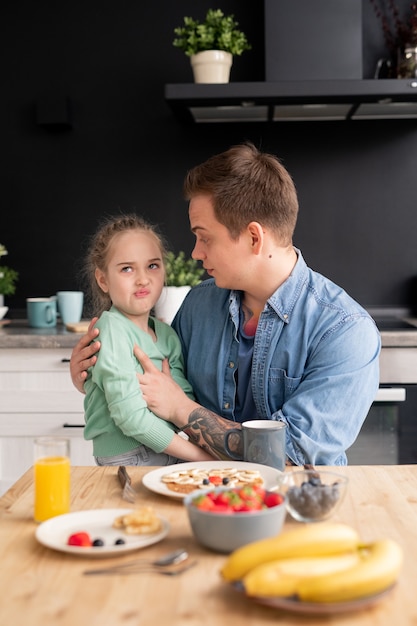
(8, 276)
(217, 32)
(182, 271)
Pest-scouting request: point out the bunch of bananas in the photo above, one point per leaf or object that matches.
(323, 562)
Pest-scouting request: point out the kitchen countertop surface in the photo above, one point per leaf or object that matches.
(16, 333)
(44, 587)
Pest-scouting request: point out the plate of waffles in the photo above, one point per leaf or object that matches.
(176, 481)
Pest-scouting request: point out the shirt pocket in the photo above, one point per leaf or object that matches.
(280, 387)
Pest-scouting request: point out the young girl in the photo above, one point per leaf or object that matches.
(126, 273)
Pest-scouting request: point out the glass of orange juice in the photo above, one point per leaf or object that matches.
(51, 477)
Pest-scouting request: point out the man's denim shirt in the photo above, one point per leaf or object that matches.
(315, 360)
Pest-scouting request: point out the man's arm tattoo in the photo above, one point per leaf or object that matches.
(207, 430)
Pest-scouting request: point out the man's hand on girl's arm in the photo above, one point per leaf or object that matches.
(160, 391)
(84, 355)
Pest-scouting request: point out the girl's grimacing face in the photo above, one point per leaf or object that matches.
(135, 274)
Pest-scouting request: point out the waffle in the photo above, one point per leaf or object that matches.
(186, 481)
(143, 521)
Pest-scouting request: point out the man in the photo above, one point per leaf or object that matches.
(266, 337)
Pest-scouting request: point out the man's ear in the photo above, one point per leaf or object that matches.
(256, 235)
(101, 280)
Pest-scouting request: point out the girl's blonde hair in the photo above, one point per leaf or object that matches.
(97, 256)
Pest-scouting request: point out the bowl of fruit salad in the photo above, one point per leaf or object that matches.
(313, 495)
(223, 519)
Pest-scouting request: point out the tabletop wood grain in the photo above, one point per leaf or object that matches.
(43, 587)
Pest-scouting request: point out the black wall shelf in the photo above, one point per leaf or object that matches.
(294, 100)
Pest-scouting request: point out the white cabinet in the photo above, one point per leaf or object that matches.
(37, 398)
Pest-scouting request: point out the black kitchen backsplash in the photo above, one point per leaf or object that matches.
(111, 144)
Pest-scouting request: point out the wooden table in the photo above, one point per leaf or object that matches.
(42, 587)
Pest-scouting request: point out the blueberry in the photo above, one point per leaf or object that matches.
(98, 543)
(206, 481)
(119, 542)
(226, 480)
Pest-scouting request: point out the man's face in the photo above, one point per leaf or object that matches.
(223, 258)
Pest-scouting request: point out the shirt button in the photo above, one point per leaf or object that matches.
(227, 405)
(231, 364)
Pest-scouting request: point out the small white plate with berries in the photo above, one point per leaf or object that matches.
(92, 534)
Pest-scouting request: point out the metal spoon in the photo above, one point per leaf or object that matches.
(171, 558)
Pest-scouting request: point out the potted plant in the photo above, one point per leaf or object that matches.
(181, 274)
(211, 45)
(8, 278)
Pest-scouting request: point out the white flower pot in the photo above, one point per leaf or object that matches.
(169, 302)
(3, 309)
(211, 66)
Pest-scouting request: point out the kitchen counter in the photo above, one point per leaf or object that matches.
(16, 333)
(44, 587)
(399, 338)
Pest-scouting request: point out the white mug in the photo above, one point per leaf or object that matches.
(70, 306)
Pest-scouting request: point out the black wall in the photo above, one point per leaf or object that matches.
(125, 151)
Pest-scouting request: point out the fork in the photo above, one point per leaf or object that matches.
(129, 493)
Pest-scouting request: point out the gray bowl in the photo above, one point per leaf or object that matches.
(225, 532)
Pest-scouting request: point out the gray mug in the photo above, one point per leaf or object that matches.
(263, 441)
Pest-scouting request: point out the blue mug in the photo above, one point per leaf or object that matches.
(41, 312)
(70, 306)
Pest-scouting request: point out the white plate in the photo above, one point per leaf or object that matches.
(152, 480)
(98, 523)
(296, 606)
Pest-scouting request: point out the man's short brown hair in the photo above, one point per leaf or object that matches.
(245, 186)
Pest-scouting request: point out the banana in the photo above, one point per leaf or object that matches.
(378, 568)
(321, 539)
(282, 578)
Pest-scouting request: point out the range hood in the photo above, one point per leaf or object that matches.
(284, 101)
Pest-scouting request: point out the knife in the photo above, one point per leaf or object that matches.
(128, 493)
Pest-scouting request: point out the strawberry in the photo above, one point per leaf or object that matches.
(215, 480)
(249, 505)
(204, 502)
(222, 508)
(222, 498)
(272, 499)
(249, 493)
(81, 539)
